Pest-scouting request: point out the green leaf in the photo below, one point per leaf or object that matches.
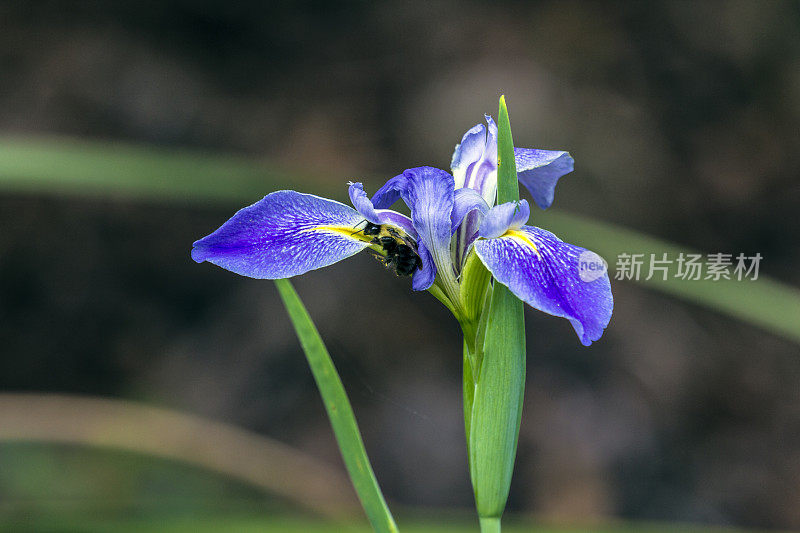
(339, 410)
(507, 184)
(497, 405)
(500, 383)
(63, 165)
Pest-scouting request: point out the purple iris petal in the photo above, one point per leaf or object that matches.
(468, 152)
(468, 211)
(390, 192)
(424, 278)
(491, 138)
(500, 218)
(393, 218)
(552, 276)
(474, 165)
(362, 204)
(539, 170)
(428, 192)
(464, 201)
(379, 216)
(285, 234)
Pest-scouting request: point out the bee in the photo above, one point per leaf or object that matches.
(401, 249)
(371, 229)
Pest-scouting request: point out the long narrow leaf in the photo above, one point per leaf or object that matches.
(500, 384)
(339, 411)
(62, 165)
(497, 405)
(507, 184)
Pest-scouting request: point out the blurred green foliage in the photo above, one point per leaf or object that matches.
(61, 488)
(290, 525)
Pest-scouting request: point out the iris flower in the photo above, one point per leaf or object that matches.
(454, 230)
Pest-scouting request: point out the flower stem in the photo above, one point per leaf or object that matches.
(490, 524)
(469, 391)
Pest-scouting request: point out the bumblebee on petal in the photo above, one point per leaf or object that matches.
(400, 249)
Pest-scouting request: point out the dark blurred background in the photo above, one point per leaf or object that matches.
(683, 119)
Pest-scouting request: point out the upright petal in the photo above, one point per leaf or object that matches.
(428, 192)
(474, 163)
(467, 153)
(549, 274)
(285, 234)
(491, 139)
(539, 170)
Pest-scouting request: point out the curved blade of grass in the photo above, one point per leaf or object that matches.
(86, 168)
(81, 168)
(500, 383)
(339, 411)
(155, 431)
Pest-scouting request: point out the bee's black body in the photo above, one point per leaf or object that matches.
(401, 250)
(372, 229)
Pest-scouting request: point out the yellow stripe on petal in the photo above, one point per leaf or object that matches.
(346, 231)
(522, 237)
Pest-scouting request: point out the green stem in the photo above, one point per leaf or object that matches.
(469, 391)
(339, 411)
(437, 292)
(490, 525)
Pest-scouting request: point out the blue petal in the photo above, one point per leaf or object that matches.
(465, 201)
(465, 220)
(539, 170)
(362, 204)
(285, 234)
(501, 218)
(491, 136)
(399, 220)
(424, 277)
(468, 152)
(474, 163)
(428, 192)
(545, 272)
(387, 195)
(379, 216)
